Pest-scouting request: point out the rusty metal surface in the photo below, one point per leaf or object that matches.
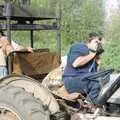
(34, 64)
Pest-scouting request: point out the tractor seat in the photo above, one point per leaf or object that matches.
(62, 92)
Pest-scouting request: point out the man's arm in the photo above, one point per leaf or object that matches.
(82, 60)
(6, 46)
(18, 47)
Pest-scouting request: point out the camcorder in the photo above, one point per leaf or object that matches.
(100, 49)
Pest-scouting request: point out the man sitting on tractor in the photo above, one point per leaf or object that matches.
(82, 65)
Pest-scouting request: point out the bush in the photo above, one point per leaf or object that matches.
(111, 57)
(79, 18)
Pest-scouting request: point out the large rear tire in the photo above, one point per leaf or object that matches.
(34, 87)
(21, 104)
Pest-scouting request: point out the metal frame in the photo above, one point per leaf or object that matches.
(8, 17)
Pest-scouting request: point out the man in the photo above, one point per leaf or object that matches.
(5, 49)
(82, 63)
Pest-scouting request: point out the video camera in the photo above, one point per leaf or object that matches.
(100, 49)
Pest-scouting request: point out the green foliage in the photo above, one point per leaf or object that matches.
(79, 18)
(42, 39)
(111, 57)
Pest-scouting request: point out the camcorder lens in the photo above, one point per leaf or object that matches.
(100, 38)
(100, 49)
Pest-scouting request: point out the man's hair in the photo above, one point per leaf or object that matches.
(92, 35)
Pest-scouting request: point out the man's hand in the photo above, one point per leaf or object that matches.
(29, 49)
(100, 49)
(82, 60)
(4, 41)
(93, 45)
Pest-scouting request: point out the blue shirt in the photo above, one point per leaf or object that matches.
(75, 51)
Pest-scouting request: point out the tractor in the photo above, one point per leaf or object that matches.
(34, 89)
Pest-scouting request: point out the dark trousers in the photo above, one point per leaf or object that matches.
(88, 84)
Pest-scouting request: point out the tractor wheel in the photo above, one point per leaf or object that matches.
(34, 87)
(17, 104)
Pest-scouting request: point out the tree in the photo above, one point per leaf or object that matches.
(112, 44)
(79, 18)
